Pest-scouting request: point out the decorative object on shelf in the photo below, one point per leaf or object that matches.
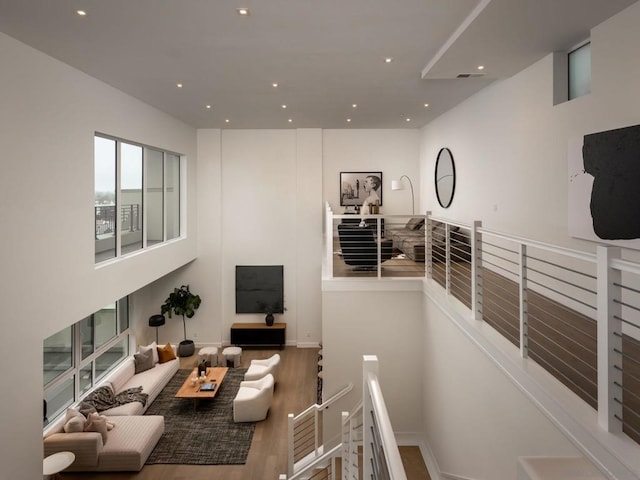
(269, 309)
(398, 185)
(361, 188)
(445, 177)
(182, 302)
(156, 321)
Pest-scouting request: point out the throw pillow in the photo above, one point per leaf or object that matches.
(74, 421)
(97, 423)
(143, 361)
(154, 350)
(166, 353)
(414, 223)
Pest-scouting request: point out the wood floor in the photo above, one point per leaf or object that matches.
(294, 392)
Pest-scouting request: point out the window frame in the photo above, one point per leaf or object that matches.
(179, 196)
(79, 364)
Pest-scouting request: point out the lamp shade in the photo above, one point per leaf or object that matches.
(397, 185)
(156, 320)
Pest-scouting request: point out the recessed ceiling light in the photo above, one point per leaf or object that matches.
(208, 106)
(274, 85)
(290, 120)
(179, 85)
(407, 119)
(82, 13)
(355, 105)
(243, 11)
(284, 106)
(388, 60)
(348, 120)
(480, 67)
(226, 120)
(426, 105)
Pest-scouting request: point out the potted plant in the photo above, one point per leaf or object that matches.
(270, 309)
(182, 302)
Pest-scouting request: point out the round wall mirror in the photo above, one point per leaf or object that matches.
(445, 177)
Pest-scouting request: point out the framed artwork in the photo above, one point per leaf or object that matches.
(356, 188)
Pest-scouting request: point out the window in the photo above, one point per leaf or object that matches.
(80, 355)
(579, 69)
(137, 197)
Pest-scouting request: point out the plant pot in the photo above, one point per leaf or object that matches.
(186, 348)
(269, 319)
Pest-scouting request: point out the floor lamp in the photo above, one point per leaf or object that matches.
(156, 321)
(398, 185)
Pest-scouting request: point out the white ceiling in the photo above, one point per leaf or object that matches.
(326, 55)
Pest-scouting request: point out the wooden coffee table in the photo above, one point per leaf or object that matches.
(188, 390)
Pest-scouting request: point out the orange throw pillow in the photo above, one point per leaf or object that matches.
(165, 353)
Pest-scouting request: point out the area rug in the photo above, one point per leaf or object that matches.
(203, 436)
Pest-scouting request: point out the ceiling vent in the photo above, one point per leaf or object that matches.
(470, 75)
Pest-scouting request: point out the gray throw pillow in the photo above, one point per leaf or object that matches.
(143, 361)
(414, 223)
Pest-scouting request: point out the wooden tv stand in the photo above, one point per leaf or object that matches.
(259, 334)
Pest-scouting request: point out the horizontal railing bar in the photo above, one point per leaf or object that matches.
(626, 287)
(584, 289)
(626, 356)
(630, 375)
(497, 266)
(499, 247)
(574, 342)
(491, 254)
(626, 322)
(571, 354)
(626, 391)
(561, 294)
(625, 266)
(620, 302)
(587, 257)
(488, 304)
(561, 361)
(578, 272)
(555, 317)
(488, 281)
(554, 371)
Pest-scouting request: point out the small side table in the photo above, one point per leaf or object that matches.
(54, 464)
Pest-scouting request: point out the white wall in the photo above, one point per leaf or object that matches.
(510, 145)
(260, 197)
(392, 152)
(374, 319)
(48, 118)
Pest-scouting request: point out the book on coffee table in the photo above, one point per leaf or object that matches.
(207, 387)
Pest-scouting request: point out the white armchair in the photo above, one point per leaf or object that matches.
(259, 368)
(253, 400)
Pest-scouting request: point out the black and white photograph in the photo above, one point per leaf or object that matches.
(360, 188)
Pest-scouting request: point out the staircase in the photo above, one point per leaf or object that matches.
(367, 447)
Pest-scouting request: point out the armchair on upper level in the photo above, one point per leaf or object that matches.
(360, 247)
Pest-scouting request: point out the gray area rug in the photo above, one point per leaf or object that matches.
(206, 436)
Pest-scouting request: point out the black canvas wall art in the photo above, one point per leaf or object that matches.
(613, 159)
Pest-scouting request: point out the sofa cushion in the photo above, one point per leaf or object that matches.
(166, 353)
(143, 360)
(97, 423)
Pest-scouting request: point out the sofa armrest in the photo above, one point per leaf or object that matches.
(85, 445)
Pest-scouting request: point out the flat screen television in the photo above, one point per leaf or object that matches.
(259, 289)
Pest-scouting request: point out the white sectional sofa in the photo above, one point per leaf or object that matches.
(133, 436)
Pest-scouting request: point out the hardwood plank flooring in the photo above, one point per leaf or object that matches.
(294, 392)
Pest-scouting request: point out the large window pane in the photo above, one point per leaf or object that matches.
(173, 196)
(86, 336)
(105, 325)
(59, 398)
(86, 379)
(131, 204)
(105, 198)
(58, 354)
(580, 71)
(123, 314)
(111, 357)
(155, 197)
